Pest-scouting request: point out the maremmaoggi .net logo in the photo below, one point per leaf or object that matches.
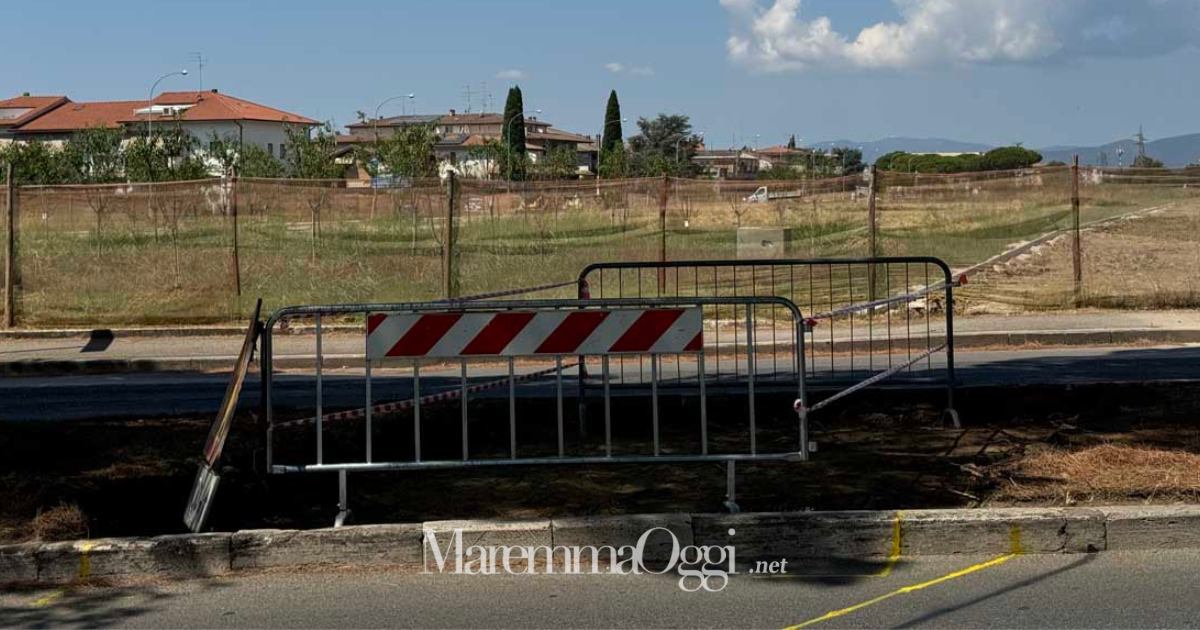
(657, 552)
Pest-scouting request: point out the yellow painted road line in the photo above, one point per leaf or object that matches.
(1014, 535)
(907, 589)
(85, 571)
(894, 554)
(85, 559)
(46, 600)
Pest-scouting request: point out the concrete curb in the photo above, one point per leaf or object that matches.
(63, 367)
(807, 536)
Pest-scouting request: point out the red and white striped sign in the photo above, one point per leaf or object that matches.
(529, 333)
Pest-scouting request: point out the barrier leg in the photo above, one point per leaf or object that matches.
(343, 503)
(802, 412)
(730, 487)
(582, 398)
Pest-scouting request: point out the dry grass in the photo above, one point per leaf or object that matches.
(64, 521)
(1141, 263)
(165, 257)
(1110, 472)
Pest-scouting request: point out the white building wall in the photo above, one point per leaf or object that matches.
(269, 136)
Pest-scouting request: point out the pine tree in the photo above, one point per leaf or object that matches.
(512, 137)
(792, 142)
(612, 124)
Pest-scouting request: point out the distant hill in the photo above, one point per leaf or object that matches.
(1173, 151)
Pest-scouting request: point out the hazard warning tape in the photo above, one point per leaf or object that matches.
(404, 405)
(907, 297)
(510, 292)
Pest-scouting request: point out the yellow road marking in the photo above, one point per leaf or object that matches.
(1014, 535)
(46, 600)
(85, 559)
(894, 555)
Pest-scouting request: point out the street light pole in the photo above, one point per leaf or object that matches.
(150, 100)
(375, 120)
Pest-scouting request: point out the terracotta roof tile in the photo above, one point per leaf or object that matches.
(36, 106)
(73, 116)
(62, 115)
(214, 106)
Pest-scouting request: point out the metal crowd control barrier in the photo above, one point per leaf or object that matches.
(438, 345)
(870, 319)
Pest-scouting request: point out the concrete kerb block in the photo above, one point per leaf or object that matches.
(1152, 527)
(625, 530)
(18, 563)
(1003, 530)
(799, 536)
(443, 535)
(186, 555)
(363, 545)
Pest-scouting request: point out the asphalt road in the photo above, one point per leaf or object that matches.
(163, 394)
(1108, 590)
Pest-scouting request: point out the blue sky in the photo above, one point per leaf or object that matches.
(1042, 72)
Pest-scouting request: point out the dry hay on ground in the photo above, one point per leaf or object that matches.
(1107, 472)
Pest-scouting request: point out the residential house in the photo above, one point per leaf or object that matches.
(17, 111)
(727, 163)
(781, 155)
(201, 114)
(462, 137)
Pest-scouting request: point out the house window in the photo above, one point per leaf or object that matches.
(271, 149)
(282, 151)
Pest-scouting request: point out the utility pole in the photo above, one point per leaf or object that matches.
(10, 250)
(1076, 245)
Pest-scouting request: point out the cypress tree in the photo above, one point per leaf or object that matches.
(792, 142)
(612, 124)
(513, 134)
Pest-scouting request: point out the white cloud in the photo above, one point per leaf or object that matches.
(941, 32)
(511, 74)
(620, 68)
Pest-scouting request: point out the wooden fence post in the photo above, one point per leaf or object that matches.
(10, 250)
(233, 212)
(872, 225)
(1076, 241)
(448, 283)
(663, 197)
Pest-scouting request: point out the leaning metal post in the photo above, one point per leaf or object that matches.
(266, 405)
